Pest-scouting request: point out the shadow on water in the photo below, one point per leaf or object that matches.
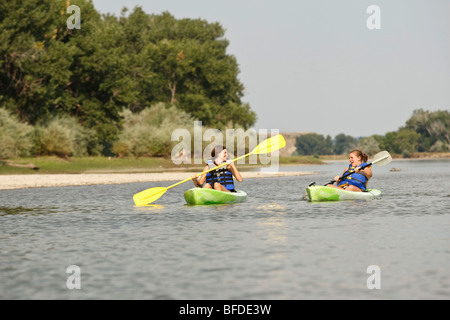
(6, 211)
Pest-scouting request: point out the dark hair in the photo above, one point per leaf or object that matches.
(217, 149)
(360, 154)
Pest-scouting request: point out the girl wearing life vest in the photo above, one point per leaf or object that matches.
(357, 179)
(221, 179)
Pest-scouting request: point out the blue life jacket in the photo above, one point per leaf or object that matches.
(221, 175)
(355, 179)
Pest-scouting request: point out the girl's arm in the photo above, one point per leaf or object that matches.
(338, 177)
(202, 179)
(231, 167)
(367, 172)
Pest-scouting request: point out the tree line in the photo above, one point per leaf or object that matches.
(424, 131)
(119, 85)
(94, 75)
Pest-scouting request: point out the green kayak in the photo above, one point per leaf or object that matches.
(199, 196)
(323, 193)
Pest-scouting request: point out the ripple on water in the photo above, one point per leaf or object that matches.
(276, 245)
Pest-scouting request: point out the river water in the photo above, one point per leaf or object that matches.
(276, 245)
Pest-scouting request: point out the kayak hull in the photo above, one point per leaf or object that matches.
(203, 196)
(324, 193)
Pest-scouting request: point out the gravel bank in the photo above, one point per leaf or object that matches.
(62, 180)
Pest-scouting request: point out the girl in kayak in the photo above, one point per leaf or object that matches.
(222, 178)
(357, 179)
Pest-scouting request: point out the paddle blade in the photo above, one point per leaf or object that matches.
(148, 196)
(382, 158)
(272, 144)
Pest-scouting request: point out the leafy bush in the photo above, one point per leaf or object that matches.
(62, 136)
(440, 146)
(370, 145)
(14, 136)
(149, 132)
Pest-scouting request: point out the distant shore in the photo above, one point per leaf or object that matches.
(55, 172)
(413, 156)
(19, 181)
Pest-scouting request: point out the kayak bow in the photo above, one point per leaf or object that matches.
(324, 193)
(199, 196)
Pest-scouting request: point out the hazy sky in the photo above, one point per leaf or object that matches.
(315, 66)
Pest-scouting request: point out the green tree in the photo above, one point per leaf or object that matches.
(114, 63)
(343, 143)
(314, 144)
(52, 70)
(36, 63)
(193, 70)
(369, 145)
(404, 141)
(433, 128)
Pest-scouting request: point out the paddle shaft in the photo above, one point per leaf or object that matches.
(272, 144)
(361, 168)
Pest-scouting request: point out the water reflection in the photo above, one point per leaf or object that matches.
(149, 207)
(271, 207)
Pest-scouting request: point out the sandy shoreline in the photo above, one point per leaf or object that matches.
(8, 182)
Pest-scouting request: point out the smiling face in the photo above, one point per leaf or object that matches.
(354, 159)
(221, 157)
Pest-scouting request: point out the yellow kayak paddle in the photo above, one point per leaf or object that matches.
(267, 146)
